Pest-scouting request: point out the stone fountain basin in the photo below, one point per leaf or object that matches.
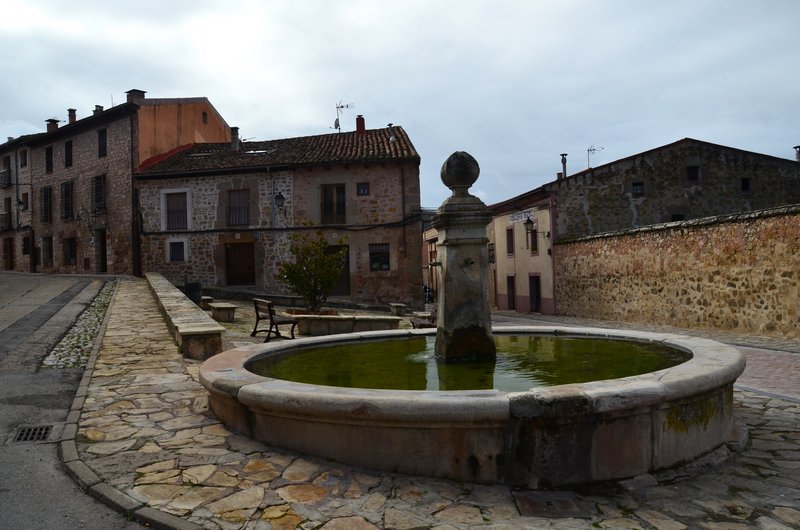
(545, 437)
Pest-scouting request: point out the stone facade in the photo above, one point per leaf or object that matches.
(16, 246)
(102, 236)
(83, 171)
(738, 273)
(385, 212)
(684, 180)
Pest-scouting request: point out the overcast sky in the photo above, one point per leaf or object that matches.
(514, 83)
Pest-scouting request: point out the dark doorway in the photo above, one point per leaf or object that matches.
(343, 286)
(101, 251)
(535, 293)
(240, 264)
(8, 253)
(512, 293)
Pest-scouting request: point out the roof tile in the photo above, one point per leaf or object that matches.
(374, 145)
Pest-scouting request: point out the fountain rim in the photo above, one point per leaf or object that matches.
(711, 366)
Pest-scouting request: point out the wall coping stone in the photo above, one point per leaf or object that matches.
(191, 327)
(792, 209)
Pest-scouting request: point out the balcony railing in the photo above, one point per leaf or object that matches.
(5, 178)
(5, 221)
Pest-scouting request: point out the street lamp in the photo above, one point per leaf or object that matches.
(528, 229)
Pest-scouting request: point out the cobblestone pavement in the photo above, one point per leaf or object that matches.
(146, 442)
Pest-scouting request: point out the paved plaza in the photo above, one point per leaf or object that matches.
(140, 436)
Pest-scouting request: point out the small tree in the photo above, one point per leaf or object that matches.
(314, 270)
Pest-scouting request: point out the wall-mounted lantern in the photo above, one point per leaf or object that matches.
(280, 200)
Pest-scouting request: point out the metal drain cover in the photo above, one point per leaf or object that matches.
(39, 433)
(552, 504)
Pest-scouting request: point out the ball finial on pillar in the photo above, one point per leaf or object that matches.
(459, 172)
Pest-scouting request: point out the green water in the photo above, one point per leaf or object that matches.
(523, 362)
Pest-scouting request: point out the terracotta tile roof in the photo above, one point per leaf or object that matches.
(374, 145)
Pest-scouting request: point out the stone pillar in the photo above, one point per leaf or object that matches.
(464, 326)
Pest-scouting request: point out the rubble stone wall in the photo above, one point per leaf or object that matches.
(739, 273)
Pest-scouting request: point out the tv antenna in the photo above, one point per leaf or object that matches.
(591, 150)
(339, 108)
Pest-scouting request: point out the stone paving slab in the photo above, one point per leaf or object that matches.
(145, 430)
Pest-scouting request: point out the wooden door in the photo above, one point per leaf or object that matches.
(240, 264)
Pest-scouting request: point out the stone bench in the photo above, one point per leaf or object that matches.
(223, 311)
(397, 310)
(205, 300)
(316, 325)
(198, 335)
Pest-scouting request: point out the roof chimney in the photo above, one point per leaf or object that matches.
(361, 127)
(797, 153)
(235, 143)
(71, 113)
(563, 165)
(135, 94)
(98, 109)
(52, 124)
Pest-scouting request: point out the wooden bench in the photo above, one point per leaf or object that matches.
(422, 320)
(265, 311)
(223, 311)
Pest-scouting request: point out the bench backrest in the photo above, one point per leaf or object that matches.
(263, 306)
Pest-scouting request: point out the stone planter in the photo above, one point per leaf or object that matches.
(321, 324)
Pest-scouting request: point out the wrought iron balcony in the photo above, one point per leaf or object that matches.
(5, 221)
(5, 178)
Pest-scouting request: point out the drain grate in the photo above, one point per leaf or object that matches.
(551, 504)
(33, 434)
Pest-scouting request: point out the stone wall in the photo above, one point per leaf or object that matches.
(739, 273)
(373, 217)
(688, 179)
(113, 224)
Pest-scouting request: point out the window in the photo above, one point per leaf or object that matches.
(510, 241)
(26, 245)
(379, 256)
(238, 207)
(70, 251)
(23, 158)
(692, 173)
(745, 183)
(176, 251)
(99, 194)
(47, 251)
(637, 189)
(25, 204)
(102, 143)
(46, 214)
(176, 211)
(534, 241)
(332, 205)
(48, 159)
(205, 117)
(362, 188)
(68, 153)
(66, 200)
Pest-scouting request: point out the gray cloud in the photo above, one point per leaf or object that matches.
(514, 83)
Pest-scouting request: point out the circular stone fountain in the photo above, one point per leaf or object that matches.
(542, 437)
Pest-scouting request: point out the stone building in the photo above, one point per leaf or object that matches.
(684, 180)
(78, 179)
(15, 204)
(221, 213)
